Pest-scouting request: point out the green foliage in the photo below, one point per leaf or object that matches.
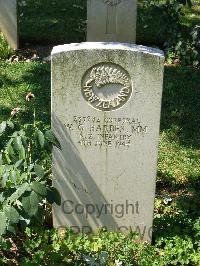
(178, 251)
(5, 50)
(51, 138)
(24, 183)
(42, 246)
(180, 41)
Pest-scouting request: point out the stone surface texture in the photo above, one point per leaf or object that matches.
(106, 102)
(111, 20)
(8, 21)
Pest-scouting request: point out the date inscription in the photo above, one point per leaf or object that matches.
(105, 132)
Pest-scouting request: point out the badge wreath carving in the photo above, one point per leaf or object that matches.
(112, 2)
(106, 86)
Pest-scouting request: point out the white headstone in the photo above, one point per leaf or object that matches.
(106, 101)
(8, 21)
(111, 20)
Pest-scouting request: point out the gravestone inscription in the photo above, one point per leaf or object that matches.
(106, 101)
(111, 20)
(8, 21)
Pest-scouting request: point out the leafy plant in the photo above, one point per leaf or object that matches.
(178, 251)
(103, 258)
(25, 184)
(5, 50)
(42, 246)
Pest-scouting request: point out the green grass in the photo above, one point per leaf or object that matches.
(179, 158)
(52, 22)
(17, 80)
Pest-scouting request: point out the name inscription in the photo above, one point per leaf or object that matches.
(105, 132)
(106, 86)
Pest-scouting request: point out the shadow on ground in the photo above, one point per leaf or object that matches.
(181, 105)
(56, 22)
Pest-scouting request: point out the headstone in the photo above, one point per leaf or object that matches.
(106, 101)
(111, 20)
(8, 21)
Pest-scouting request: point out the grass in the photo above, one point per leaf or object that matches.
(17, 80)
(56, 21)
(179, 157)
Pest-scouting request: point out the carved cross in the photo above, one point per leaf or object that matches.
(111, 21)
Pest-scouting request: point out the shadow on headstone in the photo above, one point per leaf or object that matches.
(77, 188)
(8, 22)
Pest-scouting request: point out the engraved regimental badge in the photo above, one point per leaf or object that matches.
(112, 2)
(106, 86)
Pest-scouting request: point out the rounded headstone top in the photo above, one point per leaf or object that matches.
(107, 46)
